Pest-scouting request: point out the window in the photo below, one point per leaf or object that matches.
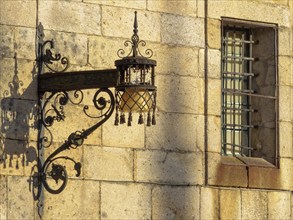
(249, 94)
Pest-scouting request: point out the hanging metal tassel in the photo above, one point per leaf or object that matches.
(116, 119)
(140, 119)
(122, 118)
(149, 119)
(129, 119)
(17, 165)
(153, 120)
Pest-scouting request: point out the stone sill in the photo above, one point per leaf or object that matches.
(246, 161)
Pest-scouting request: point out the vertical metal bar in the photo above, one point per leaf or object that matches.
(250, 98)
(234, 87)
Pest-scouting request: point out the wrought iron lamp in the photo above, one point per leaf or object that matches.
(135, 91)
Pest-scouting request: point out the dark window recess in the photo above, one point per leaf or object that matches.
(249, 94)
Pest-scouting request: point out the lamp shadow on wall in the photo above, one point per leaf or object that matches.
(18, 118)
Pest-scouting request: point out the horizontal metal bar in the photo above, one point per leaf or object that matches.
(241, 58)
(239, 125)
(231, 91)
(67, 81)
(240, 41)
(240, 146)
(235, 91)
(240, 74)
(240, 109)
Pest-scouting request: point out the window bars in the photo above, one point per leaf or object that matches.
(237, 77)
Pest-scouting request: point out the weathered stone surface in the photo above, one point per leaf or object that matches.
(168, 167)
(18, 79)
(173, 132)
(3, 195)
(67, 16)
(185, 7)
(180, 30)
(25, 11)
(70, 45)
(254, 204)
(214, 34)
(285, 102)
(209, 203)
(138, 4)
(24, 43)
(79, 200)
(214, 134)
(226, 171)
(175, 60)
(200, 131)
(125, 136)
(214, 64)
(125, 201)
(180, 94)
(214, 97)
(285, 35)
(285, 139)
(285, 67)
(201, 63)
(279, 205)
(175, 202)
(248, 10)
(230, 204)
(6, 41)
(105, 163)
(148, 23)
(20, 199)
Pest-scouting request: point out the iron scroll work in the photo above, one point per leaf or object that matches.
(134, 91)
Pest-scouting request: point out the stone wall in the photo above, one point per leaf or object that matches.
(173, 170)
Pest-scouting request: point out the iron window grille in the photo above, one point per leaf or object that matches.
(245, 89)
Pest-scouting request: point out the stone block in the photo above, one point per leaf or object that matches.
(25, 11)
(276, 2)
(169, 167)
(214, 64)
(105, 163)
(180, 94)
(148, 23)
(285, 68)
(79, 200)
(230, 204)
(70, 45)
(285, 102)
(24, 43)
(125, 201)
(209, 203)
(285, 36)
(137, 4)
(279, 205)
(123, 135)
(175, 202)
(226, 171)
(4, 198)
(248, 9)
(185, 7)
(214, 97)
(200, 132)
(285, 139)
(214, 34)
(254, 204)
(172, 132)
(20, 199)
(18, 79)
(214, 134)
(201, 63)
(6, 41)
(76, 17)
(181, 30)
(175, 60)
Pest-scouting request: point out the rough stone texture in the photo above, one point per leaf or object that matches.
(230, 204)
(70, 16)
(285, 101)
(186, 8)
(6, 41)
(279, 205)
(79, 200)
(285, 140)
(168, 167)
(214, 134)
(254, 204)
(248, 10)
(148, 23)
(125, 136)
(179, 30)
(3, 196)
(137, 4)
(180, 94)
(104, 163)
(24, 43)
(214, 34)
(175, 202)
(214, 64)
(214, 97)
(125, 201)
(209, 203)
(285, 68)
(172, 132)
(27, 10)
(285, 35)
(20, 200)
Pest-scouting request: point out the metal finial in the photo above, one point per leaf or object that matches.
(135, 26)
